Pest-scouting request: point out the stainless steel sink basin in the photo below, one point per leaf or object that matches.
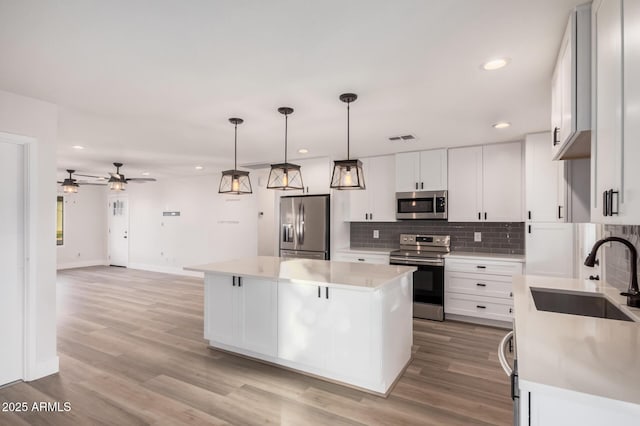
(589, 305)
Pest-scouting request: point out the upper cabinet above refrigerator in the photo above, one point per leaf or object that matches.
(571, 90)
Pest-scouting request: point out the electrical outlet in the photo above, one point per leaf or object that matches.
(376, 233)
(477, 237)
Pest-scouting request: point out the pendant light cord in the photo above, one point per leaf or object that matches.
(348, 129)
(286, 122)
(235, 148)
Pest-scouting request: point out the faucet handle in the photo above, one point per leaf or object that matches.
(633, 295)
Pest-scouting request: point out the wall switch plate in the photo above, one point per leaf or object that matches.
(376, 233)
(477, 237)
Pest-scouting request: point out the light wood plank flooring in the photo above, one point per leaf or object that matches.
(132, 353)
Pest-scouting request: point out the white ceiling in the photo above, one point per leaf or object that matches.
(151, 83)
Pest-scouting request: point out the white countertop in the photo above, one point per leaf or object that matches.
(366, 250)
(362, 275)
(484, 256)
(594, 356)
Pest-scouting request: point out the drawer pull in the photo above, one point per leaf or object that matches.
(481, 285)
(481, 307)
(481, 267)
(360, 260)
(511, 294)
(510, 310)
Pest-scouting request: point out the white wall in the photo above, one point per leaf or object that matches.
(211, 227)
(85, 228)
(268, 216)
(30, 117)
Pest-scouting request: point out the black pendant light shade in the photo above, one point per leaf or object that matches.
(347, 174)
(285, 176)
(235, 181)
(69, 185)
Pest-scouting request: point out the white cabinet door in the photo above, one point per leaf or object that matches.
(550, 249)
(360, 200)
(407, 171)
(258, 316)
(544, 180)
(630, 202)
(301, 324)
(382, 195)
(465, 184)
(566, 70)
(556, 111)
(433, 170)
(316, 176)
(608, 104)
(350, 332)
(221, 312)
(502, 182)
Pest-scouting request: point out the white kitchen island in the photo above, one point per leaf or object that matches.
(345, 322)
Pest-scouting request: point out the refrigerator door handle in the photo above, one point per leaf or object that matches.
(302, 225)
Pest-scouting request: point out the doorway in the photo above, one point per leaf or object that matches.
(12, 262)
(118, 231)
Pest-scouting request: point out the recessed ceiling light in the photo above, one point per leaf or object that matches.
(145, 173)
(199, 167)
(303, 151)
(501, 125)
(495, 64)
(77, 147)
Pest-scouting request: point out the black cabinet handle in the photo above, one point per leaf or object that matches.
(479, 217)
(234, 281)
(605, 203)
(559, 212)
(421, 185)
(318, 291)
(416, 185)
(556, 133)
(510, 310)
(617, 194)
(370, 216)
(529, 228)
(529, 214)
(366, 216)
(326, 293)
(481, 267)
(239, 281)
(485, 215)
(596, 278)
(481, 285)
(481, 307)
(360, 259)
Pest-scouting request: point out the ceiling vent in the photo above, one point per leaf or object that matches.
(402, 138)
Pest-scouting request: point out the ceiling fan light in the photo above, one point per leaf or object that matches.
(285, 176)
(117, 184)
(347, 174)
(235, 182)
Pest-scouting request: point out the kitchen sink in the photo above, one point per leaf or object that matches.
(589, 305)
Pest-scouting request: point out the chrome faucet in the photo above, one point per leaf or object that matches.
(633, 294)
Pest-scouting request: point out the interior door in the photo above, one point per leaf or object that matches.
(119, 231)
(12, 262)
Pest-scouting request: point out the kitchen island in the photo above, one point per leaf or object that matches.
(345, 322)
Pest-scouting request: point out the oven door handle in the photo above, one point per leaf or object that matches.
(502, 353)
(414, 262)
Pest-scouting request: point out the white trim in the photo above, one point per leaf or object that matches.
(31, 369)
(44, 368)
(83, 264)
(174, 270)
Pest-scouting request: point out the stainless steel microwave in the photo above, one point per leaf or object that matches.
(421, 205)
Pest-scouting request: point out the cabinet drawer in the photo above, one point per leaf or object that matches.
(479, 284)
(478, 306)
(362, 258)
(492, 267)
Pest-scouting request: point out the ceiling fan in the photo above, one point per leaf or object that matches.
(117, 181)
(70, 185)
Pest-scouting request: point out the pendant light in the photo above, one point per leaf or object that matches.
(285, 176)
(69, 185)
(117, 182)
(347, 174)
(235, 181)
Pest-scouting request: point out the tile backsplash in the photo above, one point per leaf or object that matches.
(502, 237)
(617, 256)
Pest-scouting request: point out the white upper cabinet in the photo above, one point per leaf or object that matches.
(486, 183)
(376, 203)
(316, 176)
(571, 89)
(615, 173)
(544, 195)
(465, 184)
(421, 171)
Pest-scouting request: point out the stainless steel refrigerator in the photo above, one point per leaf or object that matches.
(304, 226)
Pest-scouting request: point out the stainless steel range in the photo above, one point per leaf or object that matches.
(425, 252)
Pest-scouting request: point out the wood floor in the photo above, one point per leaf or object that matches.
(132, 353)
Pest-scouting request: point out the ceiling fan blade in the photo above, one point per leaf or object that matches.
(115, 175)
(91, 183)
(60, 182)
(90, 176)
(141, 179)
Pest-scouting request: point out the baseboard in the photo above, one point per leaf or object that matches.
(44, 368)
(174, 270)
(82, 264)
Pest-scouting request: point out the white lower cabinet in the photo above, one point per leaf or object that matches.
(242, 313)
(480, 289)
(361, 257)
(326, 328)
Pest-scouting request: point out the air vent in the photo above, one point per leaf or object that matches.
(402, 138)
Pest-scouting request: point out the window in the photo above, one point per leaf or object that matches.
(60, 221)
